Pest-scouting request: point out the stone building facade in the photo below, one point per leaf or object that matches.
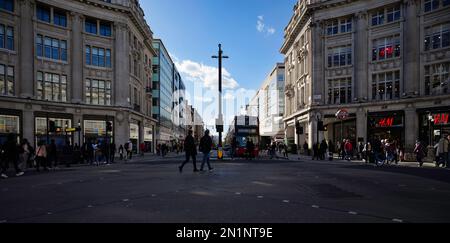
(79, 64)
(385, 63)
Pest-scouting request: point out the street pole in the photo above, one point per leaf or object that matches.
(48, 136)
(79, 133)
(220, 120)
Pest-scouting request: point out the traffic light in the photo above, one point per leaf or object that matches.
(320, 126)
(109, 127)
(52, 126)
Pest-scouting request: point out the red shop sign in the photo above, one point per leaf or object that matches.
(386, 122)
(441, 119)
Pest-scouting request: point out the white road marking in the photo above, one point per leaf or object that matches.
(353, 213)
(397, 220)
(49, 213)
(238, 193)
(126, 200)
(153, 195)
(260, 197)
(315, 206)
(90, 206)
(286, 201)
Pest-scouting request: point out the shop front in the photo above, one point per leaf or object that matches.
(10, 124)
(433, 123)
(52, 127)
(148, 139)
(134, 136)
(95, 130)
(387, 125)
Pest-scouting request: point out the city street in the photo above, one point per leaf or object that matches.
(266, 191)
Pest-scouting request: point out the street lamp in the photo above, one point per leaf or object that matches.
(430, 123)
(220, 122)
(67, 127)
(79, 133)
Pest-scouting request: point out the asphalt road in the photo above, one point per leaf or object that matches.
(276, 191)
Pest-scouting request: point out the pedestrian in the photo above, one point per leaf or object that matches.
(129, 149)
(112, 151)
(348, 147)
(68, 153)
(250, 148)
(121, 149)
(52, 154)
(273, 151)
(305, 148)
(442, 151)
(90, 150)
(10, 153)
(323, 149)
(142, 148)
(191, 152)
(316, 151)
(206, 144)
(26, 152)
(419, 152)
(285, 151)
(41, 156)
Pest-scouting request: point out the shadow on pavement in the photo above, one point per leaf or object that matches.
(442, 175)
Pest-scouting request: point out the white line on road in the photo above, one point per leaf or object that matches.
(397, 220)
(353, 213)
(286, 201)
(49, 213)
(90, 206)
(260, 197)
(126, 200)
(238, 193)
(315, 206)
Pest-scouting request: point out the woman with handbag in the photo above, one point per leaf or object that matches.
(41, 156)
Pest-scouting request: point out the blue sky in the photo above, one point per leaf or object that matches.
(251, 32)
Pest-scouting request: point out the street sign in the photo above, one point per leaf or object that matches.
(71, 129)
(342, 114)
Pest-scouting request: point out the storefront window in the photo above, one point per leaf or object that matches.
(9, 124)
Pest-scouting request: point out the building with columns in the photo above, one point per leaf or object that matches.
(384, 62)
(79, 64)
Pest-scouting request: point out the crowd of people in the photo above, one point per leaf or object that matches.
(48, 156)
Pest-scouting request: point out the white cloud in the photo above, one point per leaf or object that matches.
(206, 75)
(262, 28)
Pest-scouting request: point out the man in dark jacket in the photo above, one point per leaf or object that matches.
(191, 151)
(10, 154)
(205, 148)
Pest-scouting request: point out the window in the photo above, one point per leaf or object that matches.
(378, 18)
(393, 14)
(51, 87)
(60, 18)
(437, 78)
(386, 86)
(340, 91)
(105, 29)
(386, 48)
(339, 56)
(431, 5)
(99, 57)
(6, 37)
(43, 13)
(39, 46)
(88, 55)
(6, 80)
(346, 25)
(332, 28)
(91, 26)
(10, 38)
(51, 48)
(437, 37)
(7, 5)
(98, 92)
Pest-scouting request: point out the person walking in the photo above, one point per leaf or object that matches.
(41, 156)
(285, 151)
(129, 149)
(10, 153)
(315, 151)
(191, 152)
(323, 149)
(205, 147)
(52, 154)
(419, 152)
(26, 152)
(442, 151)
(142, 149)
(305, 148)
(112, 151)
(121, 152)
(348, 147)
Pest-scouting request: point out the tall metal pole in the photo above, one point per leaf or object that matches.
(48, 136)
(220, 120)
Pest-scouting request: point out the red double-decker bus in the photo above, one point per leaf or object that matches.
(244, 129)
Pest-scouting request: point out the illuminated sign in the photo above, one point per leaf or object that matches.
(441, 119)
(386, 122)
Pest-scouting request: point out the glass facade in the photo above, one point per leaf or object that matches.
(165, 80)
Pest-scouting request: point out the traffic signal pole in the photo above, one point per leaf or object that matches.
(220, 122)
